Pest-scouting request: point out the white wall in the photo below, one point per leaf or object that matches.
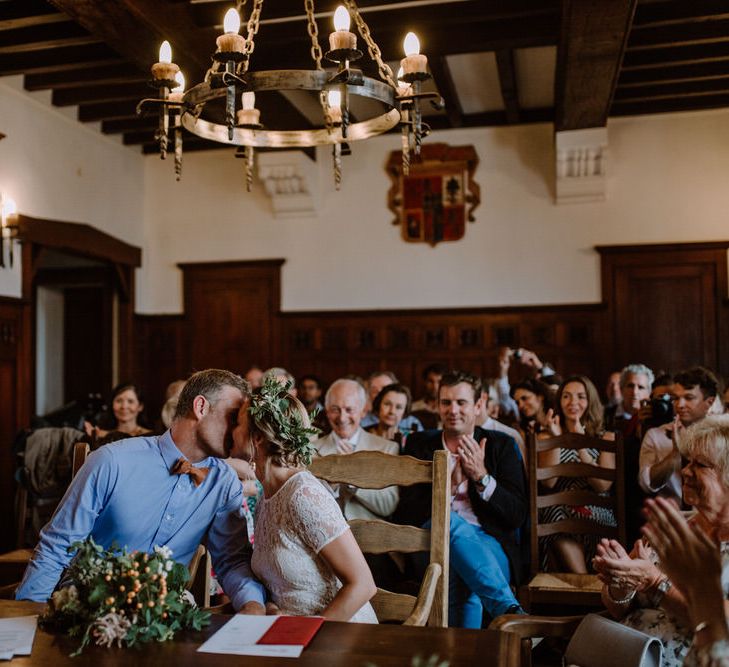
(55, 167)
(667, 182)
(49, 349)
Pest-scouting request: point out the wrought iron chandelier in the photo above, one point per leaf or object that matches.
(231, 78)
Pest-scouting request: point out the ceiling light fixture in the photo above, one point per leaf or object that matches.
(231, 78)
(8, 228)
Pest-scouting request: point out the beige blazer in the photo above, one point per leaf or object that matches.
(366, 503)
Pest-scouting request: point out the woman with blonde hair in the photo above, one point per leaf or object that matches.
(305, 553)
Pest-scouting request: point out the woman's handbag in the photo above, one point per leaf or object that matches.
(600, 642)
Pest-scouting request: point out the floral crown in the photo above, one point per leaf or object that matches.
(269, 405)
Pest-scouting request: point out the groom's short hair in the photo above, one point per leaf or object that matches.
(209, 384)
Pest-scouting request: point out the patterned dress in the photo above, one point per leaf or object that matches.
(602, 515)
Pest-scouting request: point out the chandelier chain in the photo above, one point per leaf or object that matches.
(313, 29)
(372, 48)
(251, 31)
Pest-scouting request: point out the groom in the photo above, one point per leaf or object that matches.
(170, 490)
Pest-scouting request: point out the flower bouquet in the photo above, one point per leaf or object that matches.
(122, 597)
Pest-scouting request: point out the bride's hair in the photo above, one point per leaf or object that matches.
(283, 422)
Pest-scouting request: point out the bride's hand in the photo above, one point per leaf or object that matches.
(272, 609)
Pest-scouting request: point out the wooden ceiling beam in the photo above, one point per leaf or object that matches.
(129, 125)
(507, 81)
(16, 14)
(651, 15)
(592, 42)
(678, 55)
(447, 89)
(668, 105)
(494, 118)
(107, 111)
(117, 73)
(104, 93)
(675, 35)
(669, 90)
(53, 60)
(42, 37)
(673, 74)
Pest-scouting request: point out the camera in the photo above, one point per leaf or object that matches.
(661, 411)
(516, 353)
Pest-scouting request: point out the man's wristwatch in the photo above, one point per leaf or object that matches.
(662, 588)
(483, 482)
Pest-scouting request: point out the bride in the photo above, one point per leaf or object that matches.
(304, 552)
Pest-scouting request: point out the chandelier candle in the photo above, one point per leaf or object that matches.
(230, 41)
(165, 69)
(249, 116)
(413, 62)
(341, 38)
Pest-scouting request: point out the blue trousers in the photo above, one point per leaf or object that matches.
(479, 576)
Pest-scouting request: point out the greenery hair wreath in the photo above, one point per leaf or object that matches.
(269, 405)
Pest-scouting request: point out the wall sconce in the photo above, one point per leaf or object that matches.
(8, 228)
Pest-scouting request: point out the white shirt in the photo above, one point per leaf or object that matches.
(656, 445)
(353, 441)
(461, 503)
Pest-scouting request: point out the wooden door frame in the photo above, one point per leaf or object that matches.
(38, 236)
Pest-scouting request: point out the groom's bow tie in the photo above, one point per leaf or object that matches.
(184, 467)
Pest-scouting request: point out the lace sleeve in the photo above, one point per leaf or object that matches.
(317, 514)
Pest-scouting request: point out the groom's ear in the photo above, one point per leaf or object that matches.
(200, 406)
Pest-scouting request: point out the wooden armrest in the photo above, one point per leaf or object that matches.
(526, 626)
(7, 592)
(426, 595)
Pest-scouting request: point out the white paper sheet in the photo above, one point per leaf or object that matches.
(240, 634)
(16, 636)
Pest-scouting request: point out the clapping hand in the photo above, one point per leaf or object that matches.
(471, 455)
(551, 423)
(617, 568)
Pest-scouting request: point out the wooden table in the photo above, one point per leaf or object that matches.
(344, 644)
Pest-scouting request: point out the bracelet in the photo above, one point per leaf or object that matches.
(701, 626)
(626, 600)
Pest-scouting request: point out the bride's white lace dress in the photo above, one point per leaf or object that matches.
(291, 528)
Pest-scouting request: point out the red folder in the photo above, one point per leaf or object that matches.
(292, 630)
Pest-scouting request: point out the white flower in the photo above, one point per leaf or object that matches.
(168, 565)
(165, 552)
(64, 596)
(110, 628)
(187, 596)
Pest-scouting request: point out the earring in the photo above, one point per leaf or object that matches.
(253, 465)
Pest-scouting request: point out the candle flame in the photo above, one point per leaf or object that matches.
(180, 87)
(411, 45)
(341, 19)
(334, 98)
(165, 52)
(231, 22)
(248, 100)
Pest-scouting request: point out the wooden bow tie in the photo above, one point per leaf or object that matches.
(184, 467)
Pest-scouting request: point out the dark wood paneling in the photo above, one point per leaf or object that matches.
(13, 406)
(666, 304)
(232, 313)
(159, 357)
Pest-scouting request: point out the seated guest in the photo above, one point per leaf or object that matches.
(693, 561)
(391, 406)
(613, 394)
(172, 490)
(127, 407)
(635, 586)
(578, 411)
(376, 382)
(534, 400)
(254, 376)
(283, 377)
(693, 395)
(635, 386)
(309, 393)
(488, 422)
(345, 404)
(432, 375)
(489, 504)
(536, 370)
(171, 397)
(305, 552)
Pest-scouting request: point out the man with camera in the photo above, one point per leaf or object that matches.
(693, 393)
(635, 387)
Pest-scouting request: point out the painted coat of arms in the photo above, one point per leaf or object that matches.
(434, 201)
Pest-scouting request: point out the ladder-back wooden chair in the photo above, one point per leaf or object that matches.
(377, 470)
(562, 588)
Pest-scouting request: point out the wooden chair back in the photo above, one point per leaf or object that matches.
(80, 452)
(540, 499)
(377, 470)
